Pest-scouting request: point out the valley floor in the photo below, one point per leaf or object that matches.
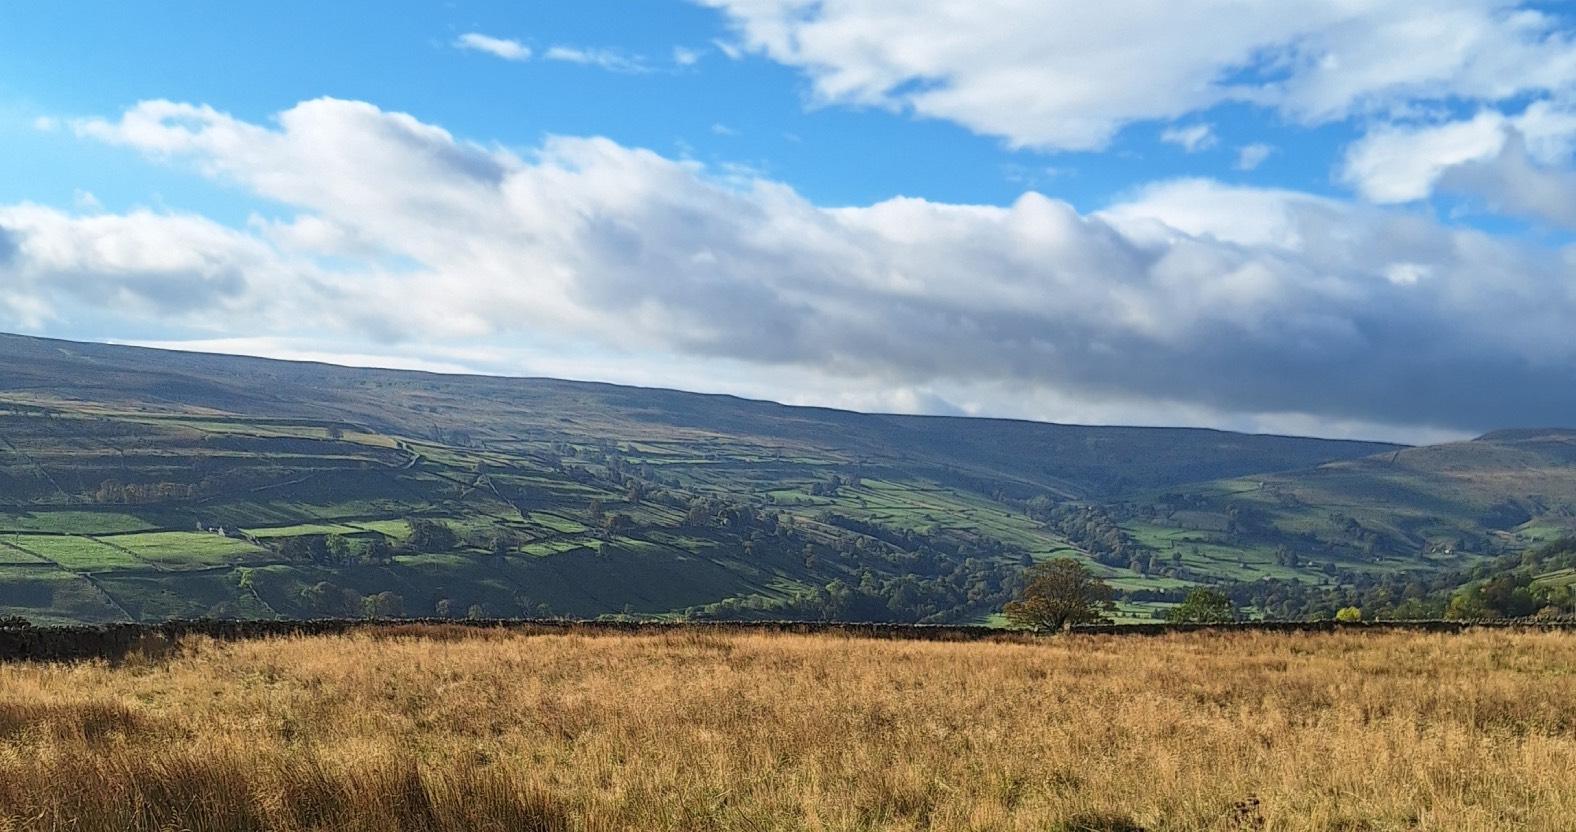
(449, 729)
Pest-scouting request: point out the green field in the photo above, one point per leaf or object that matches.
(75, 554)
(186, 549)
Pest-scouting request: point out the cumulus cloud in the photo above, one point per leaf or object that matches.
(1067, 75)
(1516, 164)
(505, 48)
(1192, 138)
(1235, 305)
(157, 266)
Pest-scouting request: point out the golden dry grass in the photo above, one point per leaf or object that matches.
(693, 731)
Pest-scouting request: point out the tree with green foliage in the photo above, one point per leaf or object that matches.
(1203, 606)
(617, 523)
(379, 550)
(430, 535)
(1504, 596)
(383, 605)
(1349, 615)
(1058, 594)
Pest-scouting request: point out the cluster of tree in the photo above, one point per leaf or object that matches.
(971, 587)
(1513, 594)
(618, 471)
(1092, 529)
(330, 601)
(337, 550)
(427, 536)
(831, 486)
(112, 492)
(714, 512)
(430, 535)
(1500, 588)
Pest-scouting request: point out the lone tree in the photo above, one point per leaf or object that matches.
(1059, 594)
(1203, 606)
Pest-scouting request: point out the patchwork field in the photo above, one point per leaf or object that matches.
(449, 729)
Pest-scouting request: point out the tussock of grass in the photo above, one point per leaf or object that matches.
(457, 730)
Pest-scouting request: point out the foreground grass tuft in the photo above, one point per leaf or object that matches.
(410, 730)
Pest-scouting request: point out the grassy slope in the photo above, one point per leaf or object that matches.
(282, 449)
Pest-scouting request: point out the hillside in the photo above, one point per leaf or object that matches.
(145, 484)
(1389, 517)
(482, 410)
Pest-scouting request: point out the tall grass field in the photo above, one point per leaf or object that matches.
(451, 729)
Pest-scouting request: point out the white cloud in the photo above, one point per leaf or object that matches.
(505, 48)
(1250, 156)
(1402, 164)
(1066, 74)
(170, 267)
(1192, 138)
(1517, 164)
(1239, 306)
(611, 60)
(684, 56)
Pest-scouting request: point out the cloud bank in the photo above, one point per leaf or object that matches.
(1067, 75)
(1189, 301)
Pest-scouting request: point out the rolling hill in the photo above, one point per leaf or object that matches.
(145, 484)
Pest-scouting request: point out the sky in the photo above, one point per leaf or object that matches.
(1342, 218)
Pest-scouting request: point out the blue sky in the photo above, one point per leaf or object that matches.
(78, 59)
(1258, 217)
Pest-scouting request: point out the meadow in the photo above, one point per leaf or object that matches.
(449, 729)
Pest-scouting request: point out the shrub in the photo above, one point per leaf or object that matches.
(1348, 615)
(1203, 606)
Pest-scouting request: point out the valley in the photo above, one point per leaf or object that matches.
(143, 485)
